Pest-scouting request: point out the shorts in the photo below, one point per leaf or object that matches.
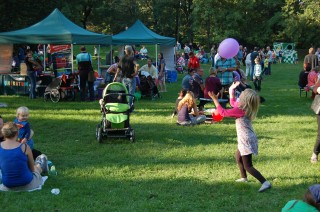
(35, 183)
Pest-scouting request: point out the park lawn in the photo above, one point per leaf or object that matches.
(169, 167)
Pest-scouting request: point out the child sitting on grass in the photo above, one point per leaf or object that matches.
(188, 113)
(244, 111)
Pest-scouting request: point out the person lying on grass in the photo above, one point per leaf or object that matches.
(244, 111)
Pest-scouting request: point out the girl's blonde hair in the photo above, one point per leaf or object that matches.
(22, 110)
(187, 99)
(249, 102)
(9, 130)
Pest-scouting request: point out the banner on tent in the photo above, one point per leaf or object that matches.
(60, 56)
(287, 51)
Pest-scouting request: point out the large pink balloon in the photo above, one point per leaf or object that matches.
(228, 48)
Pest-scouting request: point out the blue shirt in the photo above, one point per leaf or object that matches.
(83, 57)
(187, 82)
(14, 167)
(240, 55)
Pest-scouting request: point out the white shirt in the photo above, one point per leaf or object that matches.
(216, 58)
(248, 58)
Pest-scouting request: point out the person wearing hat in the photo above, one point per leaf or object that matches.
(84, 67)
(129, 69)
(310, 202)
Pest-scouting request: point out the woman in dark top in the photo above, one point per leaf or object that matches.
(31, 63)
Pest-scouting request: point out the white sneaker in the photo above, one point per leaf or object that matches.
(42, 160)
(242, 180)
(266, 185)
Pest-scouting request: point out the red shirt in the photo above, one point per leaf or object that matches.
(193, 63)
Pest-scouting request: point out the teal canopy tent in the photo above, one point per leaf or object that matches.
(54, 29)
(138, 33)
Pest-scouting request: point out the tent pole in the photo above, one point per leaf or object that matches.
(99, 60)
(44, 57)
(157, 56)
(72, 58)
(111, 55)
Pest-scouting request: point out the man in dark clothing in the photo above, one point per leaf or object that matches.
(84, 67)
(254, 55)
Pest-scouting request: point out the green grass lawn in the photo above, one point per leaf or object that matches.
(169, 167)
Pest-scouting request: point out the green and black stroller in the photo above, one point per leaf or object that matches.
(115, 109)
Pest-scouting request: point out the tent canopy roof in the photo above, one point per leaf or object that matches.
(138, 33)
(54, 29)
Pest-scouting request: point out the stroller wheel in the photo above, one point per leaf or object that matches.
(45, 97)
(99, 133)
(132, 136)
(55, 95)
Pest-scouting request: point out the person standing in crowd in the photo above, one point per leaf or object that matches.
(240, 53)
(31, 65)
(109, 76)
(248, 65)
(161, 73)
(316, 148)
(225, 68)
(212, 54)
(129, 69)
(311, 58)
(84, 61)
(253, 56)
(257, 74)
(270, 60)
(245, 53)
(186, 51)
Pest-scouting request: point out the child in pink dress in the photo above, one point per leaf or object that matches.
(244, 111)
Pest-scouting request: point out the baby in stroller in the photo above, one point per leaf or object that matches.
(115, 109)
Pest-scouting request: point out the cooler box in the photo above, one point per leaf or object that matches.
(171, 76)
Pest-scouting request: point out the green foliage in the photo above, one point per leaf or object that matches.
(252, 23)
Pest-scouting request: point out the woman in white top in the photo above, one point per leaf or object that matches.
(248, 64)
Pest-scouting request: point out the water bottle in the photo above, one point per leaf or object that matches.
(53, 170)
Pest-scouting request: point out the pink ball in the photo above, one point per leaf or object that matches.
(228, 48)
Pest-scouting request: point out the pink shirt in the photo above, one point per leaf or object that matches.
(234, 112)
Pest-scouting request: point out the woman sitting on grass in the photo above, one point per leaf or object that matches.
(19, 173)
(188, 113)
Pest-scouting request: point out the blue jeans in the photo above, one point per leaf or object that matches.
(130, 83)
(32, 81)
